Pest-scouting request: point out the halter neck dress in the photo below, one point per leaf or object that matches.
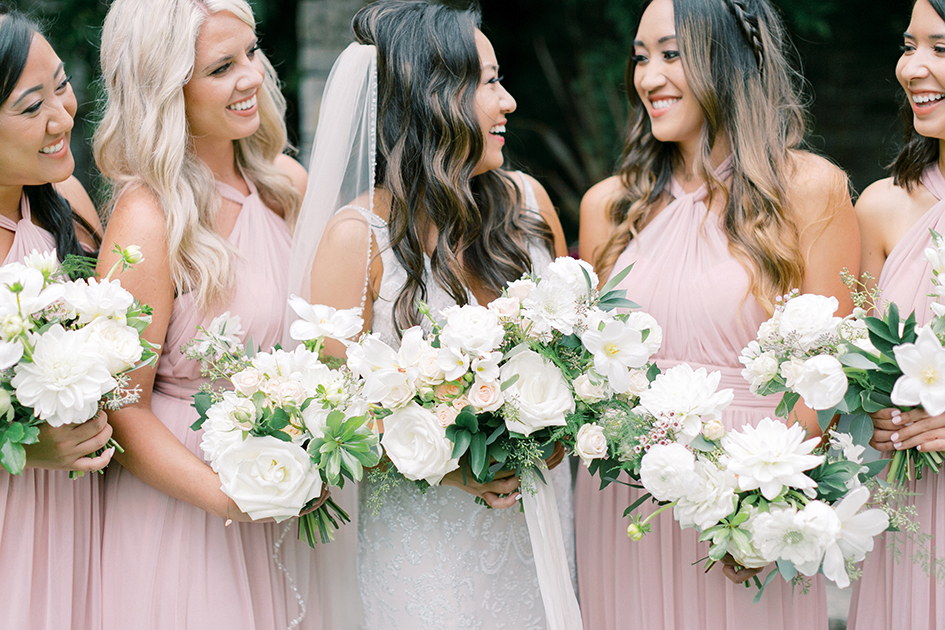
(899, 589)
(168, 564)
(686, 277)
(50, 525)
(435, 559)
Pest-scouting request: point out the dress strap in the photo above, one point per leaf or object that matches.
(378, 228)
(528, 194)
(9, 224)
(933, 180)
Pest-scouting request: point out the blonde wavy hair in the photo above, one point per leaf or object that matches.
(734, 54)
(148, 54)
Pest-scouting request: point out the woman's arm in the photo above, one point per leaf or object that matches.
(596, 227)
(152, 452)
(73, 192)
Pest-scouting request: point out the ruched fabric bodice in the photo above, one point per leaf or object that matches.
(684, 275)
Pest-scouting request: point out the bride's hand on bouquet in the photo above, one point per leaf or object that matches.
(233, 513)
(897, 431)
(67, 447)
(500, 493)
(735, 572)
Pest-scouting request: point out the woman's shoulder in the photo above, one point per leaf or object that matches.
(818, 187)
(885, 203)
(139, 207)
(601, 195)
(293, 170)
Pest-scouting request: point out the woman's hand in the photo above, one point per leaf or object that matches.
(736, 572)
(500, 493)
(896, 431)
(68, 447)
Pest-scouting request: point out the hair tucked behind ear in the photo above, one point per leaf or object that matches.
(49, 209)
(917, 151)
(734, 54)
(148, 53)
(429, 141)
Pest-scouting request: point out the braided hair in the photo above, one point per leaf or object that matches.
(748, 23)
(50, 209)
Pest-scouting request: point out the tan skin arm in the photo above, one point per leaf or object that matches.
(67, 447)
(886, 213)
(596, 227)
(341, 259)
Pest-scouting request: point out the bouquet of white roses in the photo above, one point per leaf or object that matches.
(289, 426)
(495, 387)
(855, 365)
(66, 347)
(766, 494)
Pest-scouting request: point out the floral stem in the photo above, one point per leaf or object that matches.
(638, 528)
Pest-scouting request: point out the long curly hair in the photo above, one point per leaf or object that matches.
(50, 209)
(148, 54)
(736, 62)
(917, 151)
(429, 142)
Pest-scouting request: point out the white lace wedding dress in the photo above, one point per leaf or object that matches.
(436, 559)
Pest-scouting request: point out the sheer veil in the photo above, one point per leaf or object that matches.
(341, 171)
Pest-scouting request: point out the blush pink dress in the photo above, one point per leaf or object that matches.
(685, 276)
(50, 525)
(898, 589)
(168, 565)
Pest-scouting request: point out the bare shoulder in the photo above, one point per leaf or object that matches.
(138, 211)
(883, 201)
(601, 195)
(74, 192)
(293, 170)
(817, 185)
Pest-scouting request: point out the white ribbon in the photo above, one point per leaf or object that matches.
(554, 577)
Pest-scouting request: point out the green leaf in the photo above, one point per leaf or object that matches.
(610, 303)
(461, 443)
(652, 373)
(12, 456)
(699, 443)
(762, 588)
(892, 321)
(857, 360)
(467, 420)
(477, 455)
(787, 403)
(787, 569)
(861, 429)
(875, 468)
(825, 417)
(636, 504)
(879, 330)
(509, 382)
(202, 403)
(615, 280)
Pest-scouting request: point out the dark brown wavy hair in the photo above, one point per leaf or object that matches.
(429, 142)
(917, 151)
(735, 57)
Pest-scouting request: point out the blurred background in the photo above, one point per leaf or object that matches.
(563, 61)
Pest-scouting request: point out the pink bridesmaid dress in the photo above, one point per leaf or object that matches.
(685, 276)
(896, 590)
(167, 564)
(50, 525)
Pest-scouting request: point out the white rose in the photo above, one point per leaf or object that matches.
(485, 396)
(428, 367)
(713, 430)
(589, 391)
(668, 471)
(247, 381)
(639, 382)
(791, 371)
(118, 343)
(540, 394)
(290, 392)
(768, 331)
(315, 418)
(590, 443)
(390, 388)
(506, 307)
(519, 289)
(446, 414)
(268, 478)
(821, 382)
(416, 443)
(809, 317)
(570, 272)
(472, 329)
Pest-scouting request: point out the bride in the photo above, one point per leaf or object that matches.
(426, 215)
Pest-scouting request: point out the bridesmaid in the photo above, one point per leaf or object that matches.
(191, 142)
(50, 525)
(720, 212)
(895, 215)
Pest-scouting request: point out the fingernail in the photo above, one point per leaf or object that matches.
(109, 451)
(897, 445)
(518, 496)
(896, 413)
(896, 420)
(894, 437)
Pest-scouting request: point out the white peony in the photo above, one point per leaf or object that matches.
(798, 536)
(809, 317)
(319, 320)
(923, 373)
(687, 395)
(473, 329)
(668, 471)
(590, 443)
(710, 498)
(857, 530)
(118, 343)
(771, 456)
(540, 394)
(66, 379)
(93, 298)
(821, 382)
(570, 272)
(416, 443)
(268, 478)
(617, 348)
(760, 367)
